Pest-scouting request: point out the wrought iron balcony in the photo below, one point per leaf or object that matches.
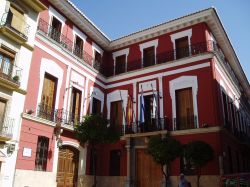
(67, 118)
(66, 43)
(10, 72)
(14, 27)
(6, 129)
(185, 122)
(152, 126)
(46, 112)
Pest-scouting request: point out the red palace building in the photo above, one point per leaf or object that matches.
(193, 86)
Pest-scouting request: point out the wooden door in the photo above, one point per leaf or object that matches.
(184, 109)
(75, 104)
(148, 172)
(67, 170)
(116, 114)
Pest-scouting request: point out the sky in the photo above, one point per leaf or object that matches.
(117, 18)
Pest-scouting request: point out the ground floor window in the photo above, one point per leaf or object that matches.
(42, 153)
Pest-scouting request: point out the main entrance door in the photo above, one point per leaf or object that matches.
(148, 172)
(67, 171)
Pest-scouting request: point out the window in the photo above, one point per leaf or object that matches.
(182, 48)
(6, 63)
(75, 105)
(97, 60)
(120, 64)
(47, 106)
(114, 163)
(41, 153)
(184, 109)
(2, 112)
(55, 30)
(96, 106)
(148, 56)
(78, 49)
(116, 114)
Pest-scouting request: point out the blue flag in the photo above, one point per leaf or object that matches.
(142, 109)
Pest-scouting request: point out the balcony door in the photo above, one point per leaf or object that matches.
(96, 106)
(182, 49)
(55, 32)
(78, 50)
(184, 109)
(148, 56)
(75, 104)
(48, 99)
(116, 114)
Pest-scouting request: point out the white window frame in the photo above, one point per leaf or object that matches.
(98, 94)
(58, 16)
(153, 43)
(120, 53)
(181, 83)
(179, 35)
(80, 34)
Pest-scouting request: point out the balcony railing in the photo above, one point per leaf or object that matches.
(46, 112)
(16, 24)
(185, 122)
(65, 42)
(6, 130)
(137, 127)
(11, 72)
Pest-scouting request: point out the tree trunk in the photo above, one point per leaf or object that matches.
(198, 176)
(165, 175)
(93, 155)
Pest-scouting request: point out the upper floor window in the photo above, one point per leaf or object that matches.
(182, 49)
(78, 47)
(120, 64)
(55, 30)
(3, 104)
(6, 63)
(48, 98)
(42, 153)
(148, 53)
(181, 43)
(97, 60)
(148, 56)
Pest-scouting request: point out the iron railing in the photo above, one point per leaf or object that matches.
(7, 125)
(235, 180)
(16, 24)
(46, 112)
(65, 42)
(11, 72)
(185, 122)
(152, 126)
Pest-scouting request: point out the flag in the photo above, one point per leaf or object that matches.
(142, 119)
(129, 111)
(154, 109)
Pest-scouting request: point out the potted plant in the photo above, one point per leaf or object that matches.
(16, 78)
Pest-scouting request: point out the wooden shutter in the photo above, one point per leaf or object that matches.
(2, 111)
(116, 114)
(17, 21)
(49, 92)
(184, 109)
(182, 49)
(75, 105)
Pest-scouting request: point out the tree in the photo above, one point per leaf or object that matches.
(198, 153)
(164, 151)
(94, 130)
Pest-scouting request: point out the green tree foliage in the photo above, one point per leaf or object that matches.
(199, 153)
(164, 151)
(94, 130)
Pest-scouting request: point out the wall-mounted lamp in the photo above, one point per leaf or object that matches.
(59, 142)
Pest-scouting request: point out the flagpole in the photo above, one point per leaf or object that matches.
(142, 110)
(124, 114)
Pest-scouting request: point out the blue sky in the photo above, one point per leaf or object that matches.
(117, 18)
